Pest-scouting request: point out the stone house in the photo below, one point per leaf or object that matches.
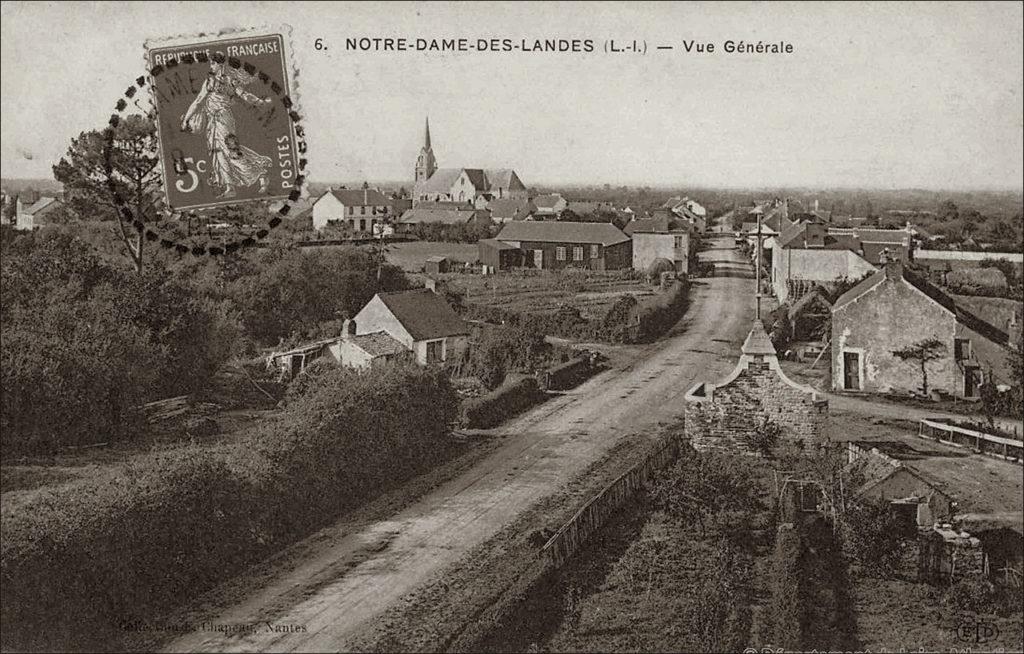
(671, 246)
(724, 416)
(556, 245)
(443, 214)
(360, 351)
(359, 209)
(508, 209)
(549, 206)
(894, 309)
(31, 215)
(809, 254)
(421, 320)
(917, 500)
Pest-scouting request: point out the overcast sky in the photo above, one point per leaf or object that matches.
(874, 95)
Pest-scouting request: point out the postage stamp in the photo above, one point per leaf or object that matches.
(223, 126)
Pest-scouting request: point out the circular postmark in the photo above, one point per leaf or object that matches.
(231, 165)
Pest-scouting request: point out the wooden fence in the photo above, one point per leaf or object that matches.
(599, 508)
(998, 446)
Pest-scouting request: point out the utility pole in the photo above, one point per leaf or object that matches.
(757, 266)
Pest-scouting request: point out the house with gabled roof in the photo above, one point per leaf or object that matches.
(894, 309)
(555, 245)
(359, 209)
(421, 320)
(32, 214)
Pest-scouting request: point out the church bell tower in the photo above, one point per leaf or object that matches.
(425, 163)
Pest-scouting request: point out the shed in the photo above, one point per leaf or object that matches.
(497, 255)
(436, 265)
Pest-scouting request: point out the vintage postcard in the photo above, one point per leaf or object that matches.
(595, 326)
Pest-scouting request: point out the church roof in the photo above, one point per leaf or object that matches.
(440, 182)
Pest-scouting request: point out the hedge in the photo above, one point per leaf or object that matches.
(660, 313)
(788, 594)
(82, 562)
(569, 374)
(501, 404)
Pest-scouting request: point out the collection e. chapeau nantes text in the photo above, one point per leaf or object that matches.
(687, 46)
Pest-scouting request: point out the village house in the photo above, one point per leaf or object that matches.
(549, 206)
(359, 209)
(810, 254)
(894, 309)
(554, 245)
(443, 214)
(351, 350)
(689, 210)
(671, 246)
(421, 320)
(34, 213)
(509, 209)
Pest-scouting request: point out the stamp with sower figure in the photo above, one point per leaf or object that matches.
(223, 119)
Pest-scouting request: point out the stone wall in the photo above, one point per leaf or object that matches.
(723, 416)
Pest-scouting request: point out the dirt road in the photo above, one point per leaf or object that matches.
(343, 584)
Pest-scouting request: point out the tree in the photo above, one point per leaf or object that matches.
(922, 352)
(134, 174)
(872, 534)
(948, 211)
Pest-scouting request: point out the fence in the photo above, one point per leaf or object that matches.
(599, 508)
(998, 446)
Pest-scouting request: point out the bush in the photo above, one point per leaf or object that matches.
(85, 341)
(659, 315)
(872, 535)
(975, 594)
(79, 562)
(501, 404)
(507, 348)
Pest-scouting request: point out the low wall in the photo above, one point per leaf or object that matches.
(997, 446)
(599, 508)
(501, 404)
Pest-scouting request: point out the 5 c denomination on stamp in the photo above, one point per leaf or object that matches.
(225, 134)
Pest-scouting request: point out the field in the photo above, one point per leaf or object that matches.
(411, 256)
(541, 292)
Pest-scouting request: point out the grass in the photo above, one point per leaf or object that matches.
(411, 256)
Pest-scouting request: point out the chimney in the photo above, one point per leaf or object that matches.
(891, 264)
(348, 328)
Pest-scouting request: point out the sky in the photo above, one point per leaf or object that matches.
(874, 95)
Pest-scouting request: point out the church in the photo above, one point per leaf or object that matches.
(475, 186)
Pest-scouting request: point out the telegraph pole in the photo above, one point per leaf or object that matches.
(757, 266)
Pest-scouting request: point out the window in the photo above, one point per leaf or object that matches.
(577, 253)
(362, 211)
(435, 351)
(595, 251)
(679, 242)
(559, 253)
(962, 348)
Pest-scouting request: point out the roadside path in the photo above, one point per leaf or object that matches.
(348, 580)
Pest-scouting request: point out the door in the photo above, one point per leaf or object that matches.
(538, 258)
(851, 371)
(972, 375)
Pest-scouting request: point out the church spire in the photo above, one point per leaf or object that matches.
(425, 163)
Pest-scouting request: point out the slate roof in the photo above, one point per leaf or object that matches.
(662, 224)
(934, 293)
(504, 178)
(424, 314)
(440, 182)
(511, 208)
(563, 232)
(378, 344)
(547, 201)
(359, 197)
(496, 244)
(41, 204)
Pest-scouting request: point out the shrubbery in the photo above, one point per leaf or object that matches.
(501, 404)
(92, 557)
(85, 341)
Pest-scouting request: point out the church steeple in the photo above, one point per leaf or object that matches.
(426, 164)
